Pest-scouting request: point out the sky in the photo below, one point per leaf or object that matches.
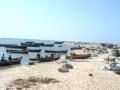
(74, 20)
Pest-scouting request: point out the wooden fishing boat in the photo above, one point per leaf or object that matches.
(76, 48)
(44, 59)
(53, 51)
(80, 56)
(32, 44)
(59, 46)
(49, 59)
(17, 51)
(14, 61)
(48, 45)
(34, 50)
(58, 42)
(4, 45)
(29, 44)
(16, 46)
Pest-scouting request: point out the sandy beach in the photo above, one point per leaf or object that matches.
(77, 79)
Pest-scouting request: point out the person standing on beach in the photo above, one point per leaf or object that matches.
(10, 58)
(38, 57)
(3, 57)
(52, 55)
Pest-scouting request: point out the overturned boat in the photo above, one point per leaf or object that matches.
(14, 61)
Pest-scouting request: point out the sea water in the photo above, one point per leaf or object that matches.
(25, 57)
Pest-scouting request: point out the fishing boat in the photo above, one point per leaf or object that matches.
(60, 46)
(56, 51)
(76, 48)
(34, 50)
(49, 59)
(14, 61)
(17, 51)
(45, 59)
(58, 42)
(4, 45)
(48, 45)
(32, 44)
(78, 56)
(16, 46)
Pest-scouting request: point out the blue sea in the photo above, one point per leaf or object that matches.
(30, 54)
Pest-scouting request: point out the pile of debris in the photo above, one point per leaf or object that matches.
(31, 81)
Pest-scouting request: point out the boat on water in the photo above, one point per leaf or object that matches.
(17, 51)
(4, 45)
(31, 44)
(14, 61)
(48, 45)
(34, 50)
(58, 42)
(59, 46)
(56, 51)
(16, 46)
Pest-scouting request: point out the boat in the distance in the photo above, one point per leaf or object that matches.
(34, 50)
(32, 44)
(56, 51)
(17, 51)
(48, 45)
(4, 45)
(14, 61)
(16, 46)
(58, 42)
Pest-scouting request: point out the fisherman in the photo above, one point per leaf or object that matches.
(46, 57)
(3, 56)
(38, 56)
(10, 58)
(52, 55)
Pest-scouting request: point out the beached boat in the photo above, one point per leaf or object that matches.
(78, 56)
(56, 51)
(34, 50)
(14, 61)
(108, 45)
(116, 52)
(17, 51)
(49, 59)
(76, 48)
(58, 42)
(44, 59)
